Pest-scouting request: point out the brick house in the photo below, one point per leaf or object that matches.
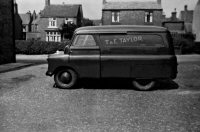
(34, 33)
(176, 27)
(186, 15)
(132, 13)
(53, 17)
(26, 24)
(174, 24)
(196, 21)
(7, 45)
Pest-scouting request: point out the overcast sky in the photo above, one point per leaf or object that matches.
(92, 8)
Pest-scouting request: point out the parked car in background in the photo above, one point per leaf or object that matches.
(141, 54)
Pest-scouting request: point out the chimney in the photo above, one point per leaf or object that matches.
(15, 7)
(186, 7)
(47, 2)
(34, 15)
(29, 14)
(174, 18)
(159, 2)
(104, 2)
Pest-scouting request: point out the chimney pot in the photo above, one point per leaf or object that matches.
(104, 2)
(174, 18)
(159, 2)
(186, 7)
(47, 2)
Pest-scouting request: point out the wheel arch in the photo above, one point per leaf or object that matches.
(65, 67)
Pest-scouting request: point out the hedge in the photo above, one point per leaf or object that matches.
(33, 47)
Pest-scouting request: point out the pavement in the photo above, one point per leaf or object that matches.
(23, 61)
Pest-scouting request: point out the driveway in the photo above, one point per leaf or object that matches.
(30, 103)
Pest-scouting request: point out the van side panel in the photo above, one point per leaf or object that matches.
(153, 67)
(137, 56)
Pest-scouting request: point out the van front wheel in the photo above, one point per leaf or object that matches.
(65, 78)
(143, 85)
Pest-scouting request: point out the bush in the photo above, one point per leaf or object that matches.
(33, 47)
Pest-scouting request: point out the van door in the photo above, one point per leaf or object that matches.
(114, 58)
(85, 56)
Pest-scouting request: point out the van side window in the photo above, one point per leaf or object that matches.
(84, 41)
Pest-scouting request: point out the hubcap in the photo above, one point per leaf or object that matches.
(65, 77)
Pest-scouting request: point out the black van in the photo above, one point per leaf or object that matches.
(143, 54)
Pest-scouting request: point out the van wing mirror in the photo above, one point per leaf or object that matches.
(67, 49)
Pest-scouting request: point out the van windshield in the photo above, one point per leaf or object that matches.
(133, 40)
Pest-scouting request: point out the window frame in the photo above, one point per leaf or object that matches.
(115, 14)
(148, 18)
(53, 36)
(52, 22)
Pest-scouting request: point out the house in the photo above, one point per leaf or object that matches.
(53, 17)
(26, 23)
(196, 22)
(34, 33)
(186, 15)
(18, 23)
(7, 43)
(174, 24)
(176, 28)
(132, 13)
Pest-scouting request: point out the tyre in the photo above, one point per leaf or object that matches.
(65, 79)
(143, 85)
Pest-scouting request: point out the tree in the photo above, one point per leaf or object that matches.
(87, 22)
(67, 30)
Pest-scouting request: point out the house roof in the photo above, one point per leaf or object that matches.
(26, 19)
(131, 5)
(61, 10)
(36, 20)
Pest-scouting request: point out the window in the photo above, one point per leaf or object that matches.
(115, 17)
(69, 20)
(52, 23)
(148, 17)
(84, 41)
(36, 28)
(24, 28)
(53, 37)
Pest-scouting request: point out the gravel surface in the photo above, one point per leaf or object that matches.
(29, 103)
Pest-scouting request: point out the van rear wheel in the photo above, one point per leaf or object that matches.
(143, 85)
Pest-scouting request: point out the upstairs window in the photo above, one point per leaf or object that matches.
(115, 17)
(69, 20)
(148, 17)
(52, 22)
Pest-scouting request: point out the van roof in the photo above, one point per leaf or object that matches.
(118, 29)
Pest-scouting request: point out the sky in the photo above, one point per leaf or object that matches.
(92, 8)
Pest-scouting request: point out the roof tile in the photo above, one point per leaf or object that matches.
(131, 5)
(26, 19)
(60, 11)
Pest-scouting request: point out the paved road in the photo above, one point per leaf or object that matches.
(29, 103)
